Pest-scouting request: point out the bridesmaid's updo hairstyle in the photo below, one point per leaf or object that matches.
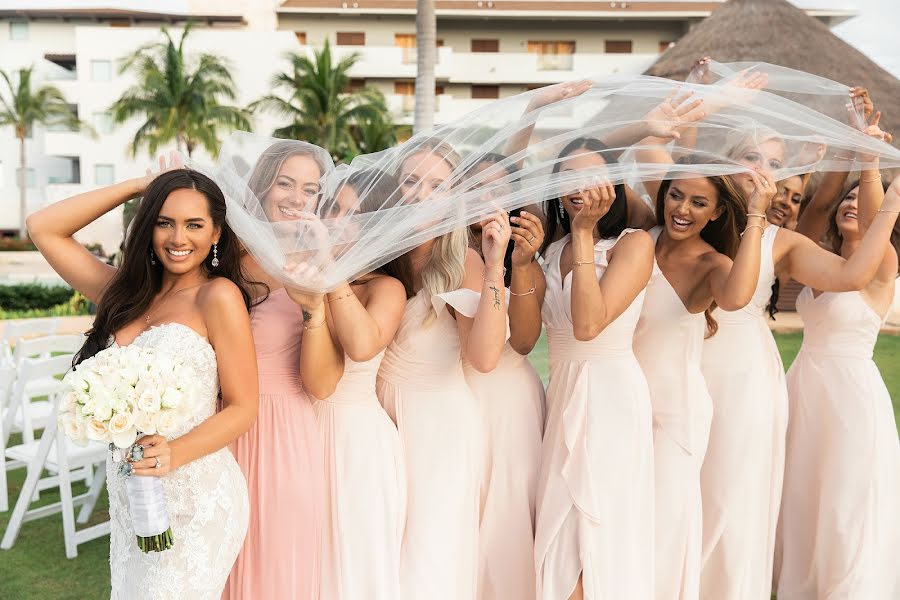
(137, 280)
(723, 234)
(612, 223)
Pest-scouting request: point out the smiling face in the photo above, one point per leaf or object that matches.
(184, 232)
(766, 157)
(294, 191)
(421, 175)
(785, 207)
(580, 159)
(846, 216)
(689, 205)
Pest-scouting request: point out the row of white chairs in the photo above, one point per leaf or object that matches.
(30, 391)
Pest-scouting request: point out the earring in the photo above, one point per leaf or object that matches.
(215, 260)
(152, 258)
(562, 211)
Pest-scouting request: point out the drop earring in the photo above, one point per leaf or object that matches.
(215, 260)
(152, 258)
(562, 211)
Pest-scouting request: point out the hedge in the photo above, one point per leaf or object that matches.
(33, 296)
(8, 244)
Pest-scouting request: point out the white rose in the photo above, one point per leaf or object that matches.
(68, 403)
(168, 421)
(122, 429)
(103, 409)
(87, 409)
(74, 430)
(172, 398)
(149, 401)
(146, 422)
(96, 430)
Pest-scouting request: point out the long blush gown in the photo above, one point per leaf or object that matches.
(595, 489)
(365, 490)
(840, 529)
(422, 387)
(511, 399)
(744, 467)
(669, 345)
(281, 457)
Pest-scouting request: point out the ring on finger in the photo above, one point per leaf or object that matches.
(158, 463)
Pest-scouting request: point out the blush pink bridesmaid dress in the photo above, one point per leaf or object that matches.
(281, 457)
(840, 528)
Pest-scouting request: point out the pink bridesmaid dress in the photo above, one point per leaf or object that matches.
(840, 529)
(595, 489)
(422, 387)
(511, 399)
(744, 467)
(281, 457)
(669, 345)
(365, 508)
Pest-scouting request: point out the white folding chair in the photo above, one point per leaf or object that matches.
(7, 379)
(57, 454)
(27, 328)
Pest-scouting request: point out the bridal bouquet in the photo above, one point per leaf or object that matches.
(117, 396)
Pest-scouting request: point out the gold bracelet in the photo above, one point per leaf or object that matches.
(749, 227)
(512, 293)
(347, 295)
(871, 180)
(316, 326)
(889, 210)
(756, 215)
(578, 263)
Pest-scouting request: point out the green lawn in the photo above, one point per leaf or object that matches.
(37, 567)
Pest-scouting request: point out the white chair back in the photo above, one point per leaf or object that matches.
(15, 330)
(46, 347)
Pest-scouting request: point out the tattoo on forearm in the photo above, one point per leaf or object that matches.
(496, 291)
(306, 315)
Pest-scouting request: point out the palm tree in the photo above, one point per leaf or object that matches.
(426, 54)
(378, 134)
(316, 100)
(179, 98)
(25, 108)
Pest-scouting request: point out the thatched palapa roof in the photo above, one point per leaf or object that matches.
(777, 32)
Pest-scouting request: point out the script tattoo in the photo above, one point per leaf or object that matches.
(496, 291)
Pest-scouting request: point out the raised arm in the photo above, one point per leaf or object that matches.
(228, 328)
(527, 284)
(52, 229)
(365, 326)
(597, 303)
(483, 337)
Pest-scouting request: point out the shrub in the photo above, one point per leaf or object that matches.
(33, 296)
(9, 244)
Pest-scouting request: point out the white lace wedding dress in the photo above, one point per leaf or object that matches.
(206, 499)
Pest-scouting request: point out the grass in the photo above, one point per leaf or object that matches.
(37, 567)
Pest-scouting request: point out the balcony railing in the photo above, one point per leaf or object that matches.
(554, 62)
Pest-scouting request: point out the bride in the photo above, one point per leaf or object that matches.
(179, 290)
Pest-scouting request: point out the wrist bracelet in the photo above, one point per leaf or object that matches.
(871, 180)
(307, 327)
(756, 215)
(752, 226)
(889, 210)
(347, 295)
(512, 293)
(578, 263)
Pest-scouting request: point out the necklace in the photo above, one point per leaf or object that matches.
(166, 297)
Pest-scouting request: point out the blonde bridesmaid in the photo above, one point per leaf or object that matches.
(281, 455)
(365, 492)
(594, 535)
(839, 529)
(511, 399)
(707, 254)
(422, 385)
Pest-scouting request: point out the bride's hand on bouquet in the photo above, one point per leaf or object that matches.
(157, 459)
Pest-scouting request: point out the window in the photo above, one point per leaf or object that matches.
(439, 90)
(104, 174)
(301, 37)
(405, 88)
(552, 55)
(101, 70)
(486, 92)
(663, 46)
(407, 43)
(617, 46)
(485, 45)
(355, 85)
(103, 122)
(351, 38)
(30, 178)
(18, 31)
(59, 127)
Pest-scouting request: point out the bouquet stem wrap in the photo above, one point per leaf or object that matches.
(149, 517)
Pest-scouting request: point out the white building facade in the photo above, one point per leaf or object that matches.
(487, 50)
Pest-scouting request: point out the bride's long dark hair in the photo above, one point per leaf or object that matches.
(137, 281)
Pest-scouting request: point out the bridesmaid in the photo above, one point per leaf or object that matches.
(594, 534)
(422, 385)
(511, 399)
(839, 530)
(281, 455)
(706, 255)
(364, 478)
(742, 475)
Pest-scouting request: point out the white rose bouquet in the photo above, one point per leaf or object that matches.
(118, 395)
